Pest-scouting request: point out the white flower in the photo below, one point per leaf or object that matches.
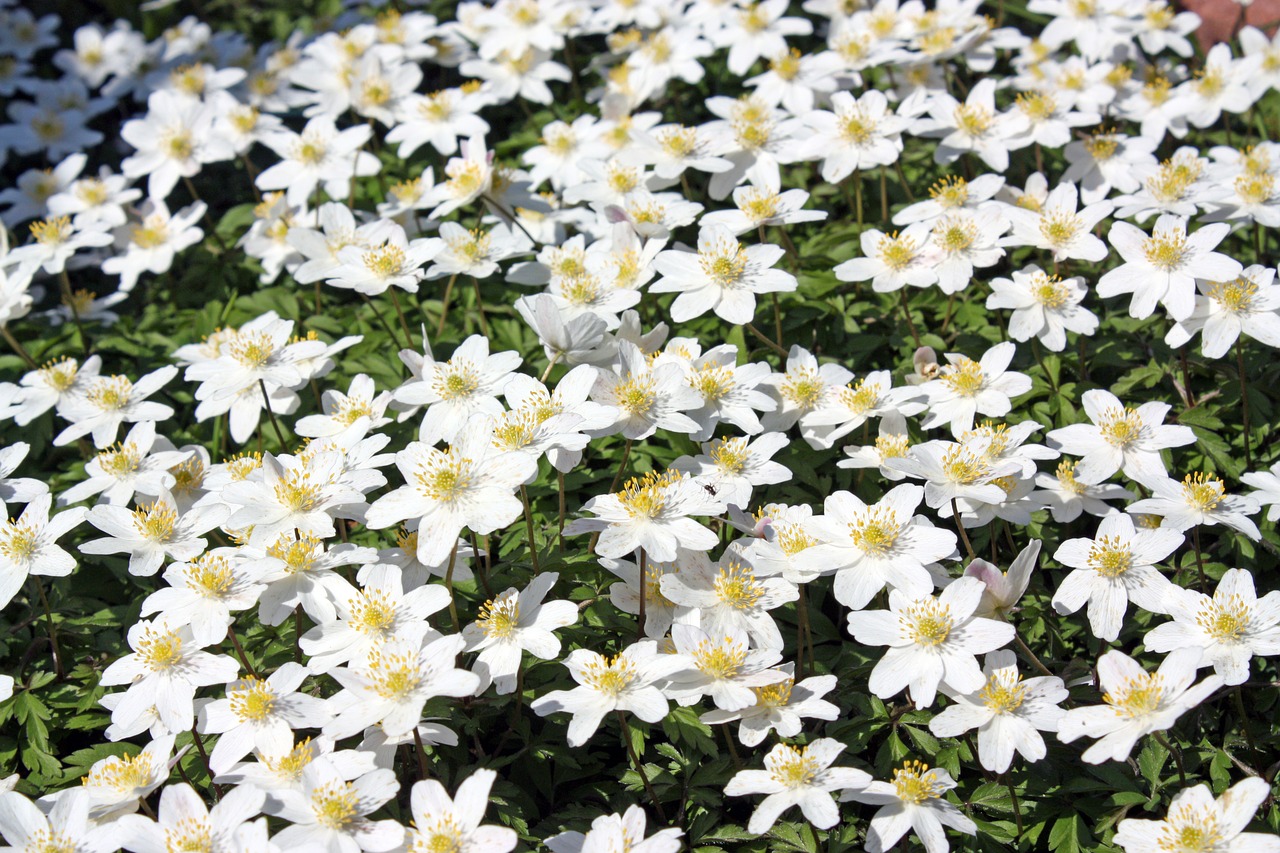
(513, 622)
(1230, 627)
(912, 801)
(1120, 438)
(869, 547)
(893, 260)
(151, 243)
(444, 823)
(624, 682)
(1163, 267)
(1004, 589)
(109, 401)
(185, 822)
(331, 813)
(1248, 305)
(1115, 567)
(66, 827)
(1195, 817)
(730, 597)
(1006, 711)
(1200, 499)
(28, 545)
(731, 467)
(1136, 703)
(321, 154)
(393, 682)
(151, 532)
(974, 126)
(930, 639)
(468, 484)
(1044, 306)
(17, 489)
(861, 133)
(617, 832)
(651, 512)
(780, 707)
(453, 391)
(117, 783)
(800, 777)
(164, 669)
(261, 714)
(722, 276)
(965, 388)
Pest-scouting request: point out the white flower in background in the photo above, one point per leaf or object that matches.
(912, 801)
(109, 401)
(1200, 499)
(1008, 712)
(321, 155)
(1120, 438)
(513, 622)
(1136, 703)
(930, 639)
(444, 823)
(1195, 816)
(1044, 306)
(800, 777)
(1113, 568)
(624, 682)
(722, 276)
(1248, 305)
(1163, 267)
(1230, 627)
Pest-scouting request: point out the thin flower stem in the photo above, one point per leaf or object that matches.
(208, 219)
(484, 323)
(1177, 756)
(244, 659)
(902, 177)
(640, 619)
(1031, 656)
(777, 318)
(635, 762)
(421, 753)
(319, 299)
(510, 217)
(1083, 341)
(550, 364)
(53, 631)
(790, 248)
(1244, 724)
(964, 537)
(266, 401)
(802, 631)
(884, 197)
(946, 318)
(1017, 808)
(448, 585)
(385, 325)
(906, 312)
(204, 756)
(1244, 403)
(444, 304)
(17, 347)
(482, 568)
(1195, 542)
(560, 527)
(297, 634)
(733, 748)
(404, 324)
(773, 345)
(857, 192)
(253, 177)
(528, 525)
(68, 299)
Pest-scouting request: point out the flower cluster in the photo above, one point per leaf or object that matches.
(478, 454)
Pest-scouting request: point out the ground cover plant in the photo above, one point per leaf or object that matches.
(603, 425)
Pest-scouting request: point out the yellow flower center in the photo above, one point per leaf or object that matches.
(124, 774)
(1136, 697)
(446, 476)
(253, 700)
(927, 622)
(712, 381)
(1226, 620)
(961, 466)
(610, 675)
(646, 497)
(1037, 106)
(955, 236)
(385, 262)
(372, 610)
(51, 232)
(1049, 291)
(720, 659)
(892, 446)
(159, 650)
(965, 378)
(725, 264)
(499, 618)
(1203, 491)
(896, 252)
(950, 192)
(1102, 146)
(1066, 474)
(793, 767)
(211, 576)
(1059, 229)
(737, 587)
(875, 531)
(1004, 692)
(913, 783)
(155, 521)
(635, 395)
(973, 119)
(1110, 557)
(1235, 295)
(336, 806)
(1121, 427)
(392, 675)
